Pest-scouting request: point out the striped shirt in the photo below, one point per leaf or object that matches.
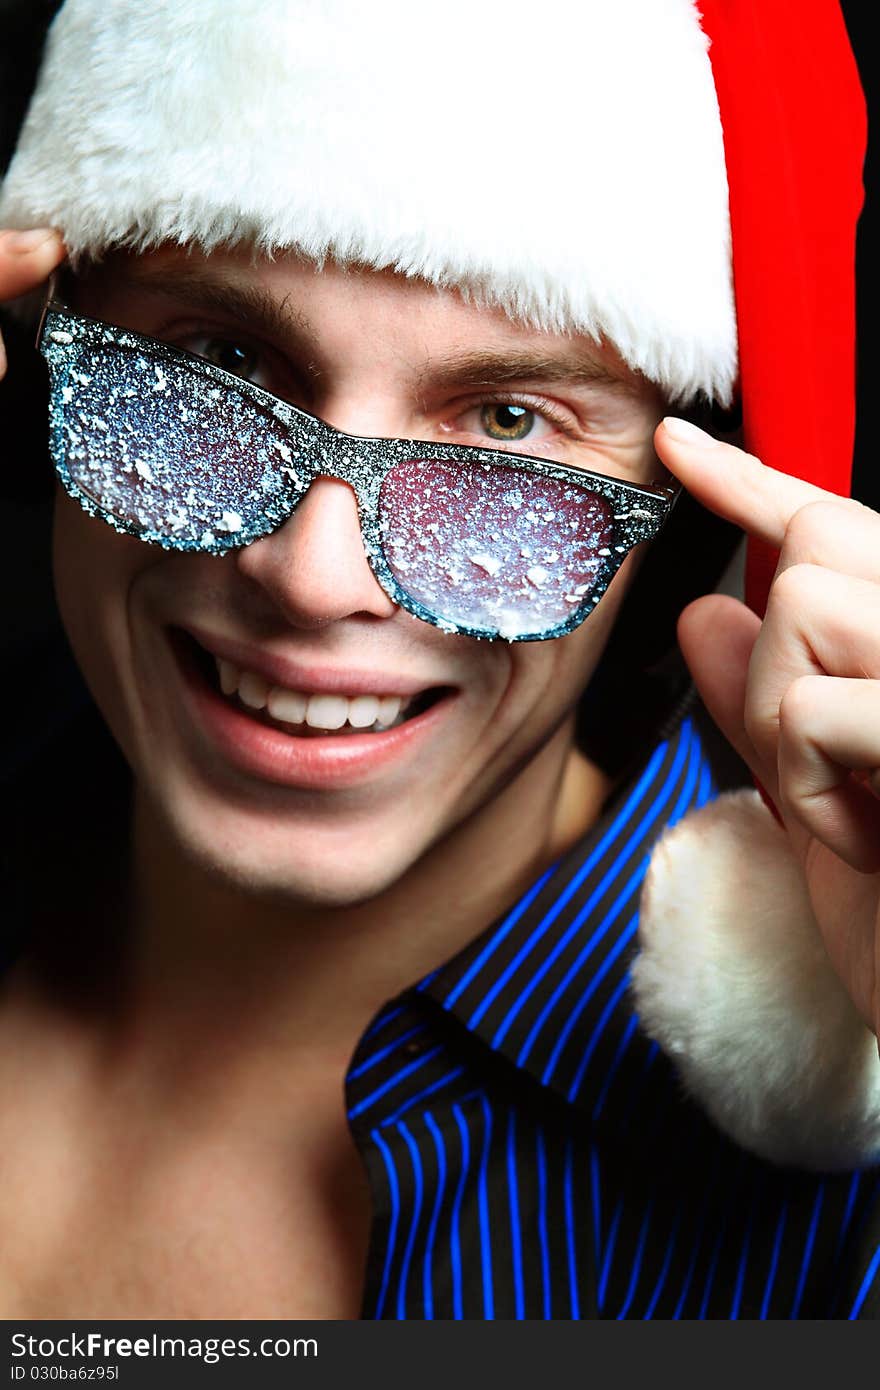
(530, 1151)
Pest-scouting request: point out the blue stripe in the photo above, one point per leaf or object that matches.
(713, 1265)
(615, 1063)
(847, 1215)
(381, 1053)
(393, 1081)
(573, 1292)
(542, 927)
(395, 1217)
(686, 795)
(596, 896)
(414, 1223)
(736, 1303)
(862, 1225)
(619, 946)
(426, 979)
(609, 1251)
(379, 1023)
(661, 1279)
(515, 1231)
(485, 1236)
(576, 966)
(455, 1241)
(596, 1198)
(808, 1251)
(435, 1214)
(706, 787)
(734, 1181)
(542, 1224)
(865, 1286)
(701, 1226)
(692, 1265)
(503, 931)
(637, 1264)
(606, 1013)
(420, 1095)
(774, 1261)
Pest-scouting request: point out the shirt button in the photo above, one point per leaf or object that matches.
(414, 1046)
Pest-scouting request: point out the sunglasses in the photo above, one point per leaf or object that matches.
(165, 446)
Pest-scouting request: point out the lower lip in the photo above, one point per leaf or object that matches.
(307, 763)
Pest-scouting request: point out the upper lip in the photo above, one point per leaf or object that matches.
(305, 677)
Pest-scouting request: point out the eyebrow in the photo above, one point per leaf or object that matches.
(250, 304)
(255, 307)
(572, 365)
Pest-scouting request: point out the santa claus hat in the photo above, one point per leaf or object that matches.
(683, 182)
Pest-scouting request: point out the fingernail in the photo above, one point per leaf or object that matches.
(685, 433)
(22, 243)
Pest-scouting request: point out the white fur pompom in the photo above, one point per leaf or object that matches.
(734, 984)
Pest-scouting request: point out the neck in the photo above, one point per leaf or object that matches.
(207, 961)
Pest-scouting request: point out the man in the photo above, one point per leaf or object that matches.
(326, 1009)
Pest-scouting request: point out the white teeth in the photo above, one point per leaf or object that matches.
(287, 705)
(326, 711)
(253, 690)
(389, 709)
(363, 711)
(317, 711)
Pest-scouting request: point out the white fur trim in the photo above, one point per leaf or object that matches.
(563, 161)
(734, 984)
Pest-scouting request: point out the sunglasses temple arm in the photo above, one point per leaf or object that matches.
(51, 287)
(675, 494)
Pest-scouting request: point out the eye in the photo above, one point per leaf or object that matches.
(503, 421)
(234, 356)
(511, 421)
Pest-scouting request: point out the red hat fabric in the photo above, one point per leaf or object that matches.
(795, 130)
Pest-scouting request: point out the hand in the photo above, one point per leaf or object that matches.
(26, 260)
(798, 694)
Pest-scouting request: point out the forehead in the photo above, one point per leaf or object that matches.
(336, 309)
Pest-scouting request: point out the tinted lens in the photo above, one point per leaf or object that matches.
(493, 548)
(166, 450)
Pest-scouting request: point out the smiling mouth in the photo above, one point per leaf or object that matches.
(300, 714)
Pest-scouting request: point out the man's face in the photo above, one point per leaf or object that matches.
(311, 814)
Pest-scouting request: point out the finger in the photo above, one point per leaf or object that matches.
(840, 534)
(732, 483)
(717, 635)
(846, 903)
(26, 260)
(829, 727)
(817, 623)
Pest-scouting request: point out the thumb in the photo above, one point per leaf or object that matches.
(26, 260)
(716, 634)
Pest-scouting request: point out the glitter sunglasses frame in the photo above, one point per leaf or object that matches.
(320, 450)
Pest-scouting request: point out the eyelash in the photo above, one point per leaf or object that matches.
(552, 414)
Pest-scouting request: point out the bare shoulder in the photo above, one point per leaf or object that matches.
(126, 1197)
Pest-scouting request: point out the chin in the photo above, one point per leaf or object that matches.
(294, 865)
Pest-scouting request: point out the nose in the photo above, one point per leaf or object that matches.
(314, 567)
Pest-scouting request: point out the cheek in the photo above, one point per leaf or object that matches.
(547, 679)
(94, 568)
